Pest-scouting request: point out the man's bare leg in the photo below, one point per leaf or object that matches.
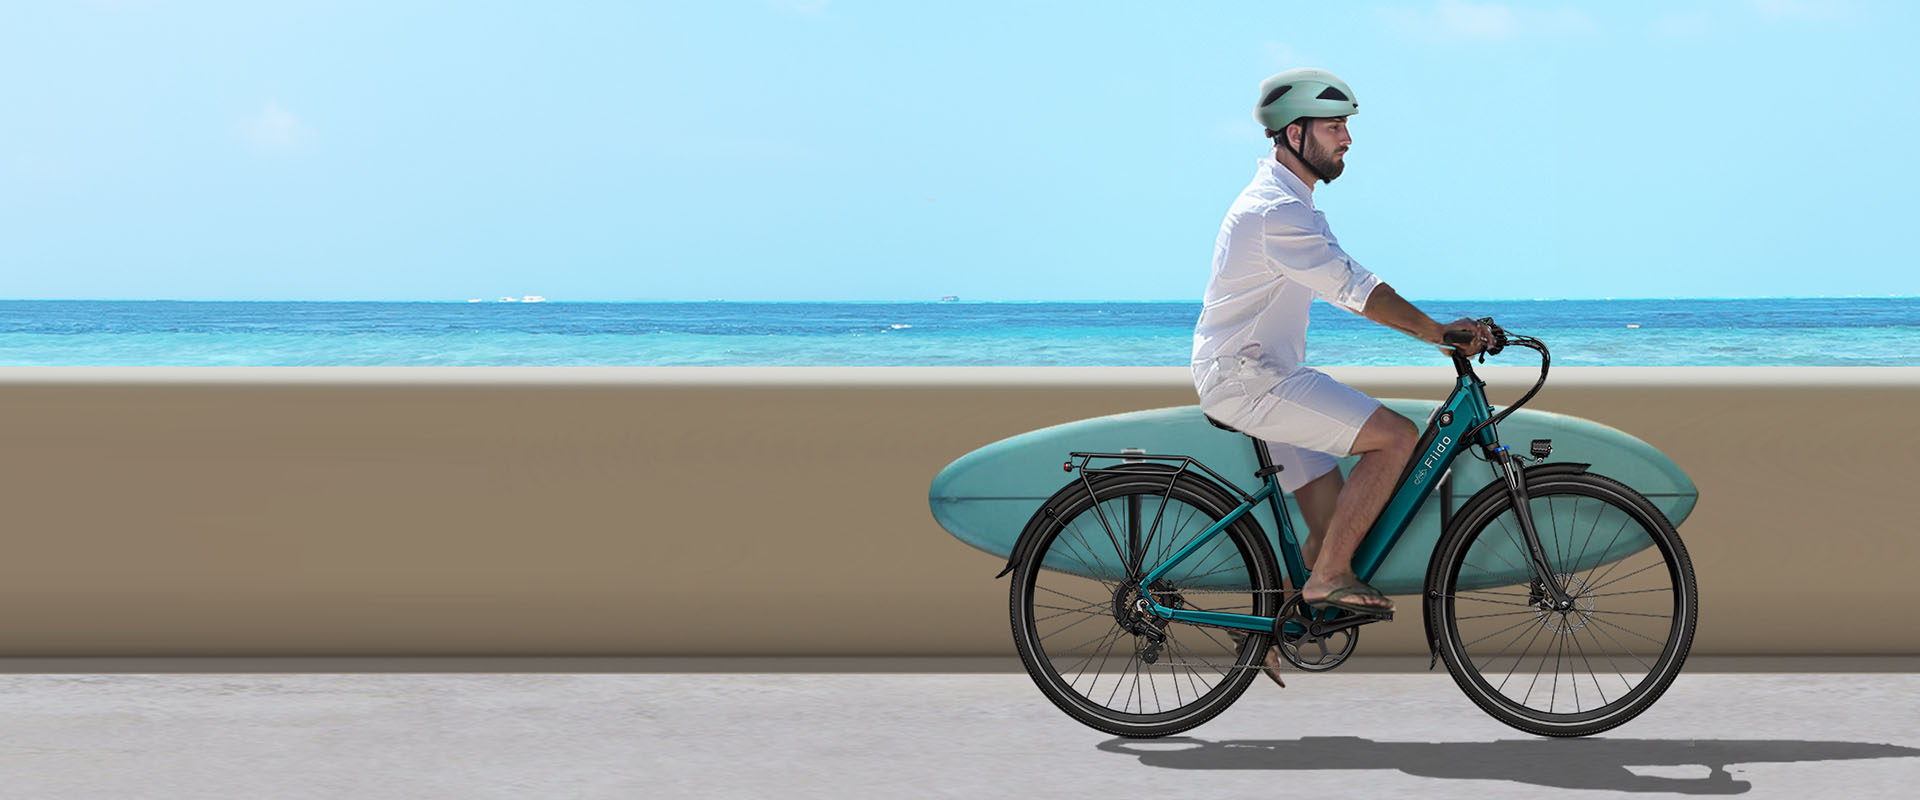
(1317, 500)
(1385, 443)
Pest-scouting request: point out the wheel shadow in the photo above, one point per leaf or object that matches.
(1560, 763)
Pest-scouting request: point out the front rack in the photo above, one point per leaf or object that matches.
(1136, 456)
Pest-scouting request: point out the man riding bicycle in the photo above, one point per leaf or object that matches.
(1273, 255)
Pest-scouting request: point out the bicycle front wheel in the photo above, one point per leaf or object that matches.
(1556, 671)
(1076, 612)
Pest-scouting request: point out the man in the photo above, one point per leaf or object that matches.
(1275, 254)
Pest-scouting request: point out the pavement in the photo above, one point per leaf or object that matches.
(852, 734)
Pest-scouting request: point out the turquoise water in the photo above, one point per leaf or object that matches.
(1768, 332)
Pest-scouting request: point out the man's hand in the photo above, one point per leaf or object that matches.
(1482, 338)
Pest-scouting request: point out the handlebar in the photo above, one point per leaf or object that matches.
(1500, 341)
(1457, 338)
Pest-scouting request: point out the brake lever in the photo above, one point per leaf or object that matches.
(1499, 339)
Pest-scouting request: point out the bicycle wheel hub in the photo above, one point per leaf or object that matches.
(1574, 614)
(1134, 610)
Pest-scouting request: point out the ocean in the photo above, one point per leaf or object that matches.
(1677, 332)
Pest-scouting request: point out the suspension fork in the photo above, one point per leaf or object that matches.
(1515, 475)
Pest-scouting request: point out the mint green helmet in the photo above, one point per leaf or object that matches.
(1303, 92)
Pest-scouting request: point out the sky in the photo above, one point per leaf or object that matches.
(808, 150)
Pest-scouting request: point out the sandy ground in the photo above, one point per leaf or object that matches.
(742, 734)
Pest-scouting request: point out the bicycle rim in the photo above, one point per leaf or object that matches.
(1579, 670)
(1072, 600)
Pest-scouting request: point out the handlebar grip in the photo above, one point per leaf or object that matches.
(1457, 337)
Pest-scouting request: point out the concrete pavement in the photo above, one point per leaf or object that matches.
(840, 734)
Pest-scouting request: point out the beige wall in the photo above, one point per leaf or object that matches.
(717, 511)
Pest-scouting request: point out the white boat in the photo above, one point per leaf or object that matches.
(475, 300)
(950, 298)
(533, 298)
(509, 299)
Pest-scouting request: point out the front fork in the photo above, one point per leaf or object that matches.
(1515, 474)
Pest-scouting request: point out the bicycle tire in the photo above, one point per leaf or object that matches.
(1482, 553)
(1204, 504)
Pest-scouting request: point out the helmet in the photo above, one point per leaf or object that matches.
(1303, 92)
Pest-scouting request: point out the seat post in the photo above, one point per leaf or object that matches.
(1260, 453)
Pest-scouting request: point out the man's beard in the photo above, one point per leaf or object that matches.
(1323, 162)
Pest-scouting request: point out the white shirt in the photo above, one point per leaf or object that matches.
(1274, 254)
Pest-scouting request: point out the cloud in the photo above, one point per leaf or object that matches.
(1465, 21)
(812, 8)
(274, 128)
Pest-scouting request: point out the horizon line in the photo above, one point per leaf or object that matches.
(927, 302)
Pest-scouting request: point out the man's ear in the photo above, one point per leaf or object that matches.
(1299, 143)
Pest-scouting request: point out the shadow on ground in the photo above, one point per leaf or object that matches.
(1614, 764)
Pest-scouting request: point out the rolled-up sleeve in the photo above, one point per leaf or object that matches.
(1297, 250)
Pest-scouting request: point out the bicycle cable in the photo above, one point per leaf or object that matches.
(1545, 359)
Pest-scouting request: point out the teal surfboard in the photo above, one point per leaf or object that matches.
(985, 497)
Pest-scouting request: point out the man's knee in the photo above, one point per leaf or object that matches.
(1386, 431)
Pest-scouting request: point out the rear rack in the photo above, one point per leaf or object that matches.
(1132, 456)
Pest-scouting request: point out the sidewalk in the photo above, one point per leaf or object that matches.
(906, 734)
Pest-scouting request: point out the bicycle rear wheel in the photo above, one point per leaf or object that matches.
(1565, 671)
(1077, 625)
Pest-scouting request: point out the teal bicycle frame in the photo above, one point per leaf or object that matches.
(1464, 409)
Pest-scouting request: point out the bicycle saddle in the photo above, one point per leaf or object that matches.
(1218, 424)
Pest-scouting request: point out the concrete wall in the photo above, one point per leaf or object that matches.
(755, 511)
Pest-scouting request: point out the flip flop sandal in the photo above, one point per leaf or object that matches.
(1356, 589)
(1271, 656)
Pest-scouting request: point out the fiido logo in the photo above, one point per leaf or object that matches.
(1427, 463)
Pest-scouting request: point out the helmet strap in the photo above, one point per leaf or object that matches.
(1304, 133)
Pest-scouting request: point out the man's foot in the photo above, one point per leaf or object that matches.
(1273, 666)
(1273, 658)
(1347, 592)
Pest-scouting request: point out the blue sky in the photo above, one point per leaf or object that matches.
(840, 150)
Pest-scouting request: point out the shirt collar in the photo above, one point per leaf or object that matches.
(1285, 177)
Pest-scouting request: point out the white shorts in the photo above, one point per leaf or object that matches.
(1305, 418)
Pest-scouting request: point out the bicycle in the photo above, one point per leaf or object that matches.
(1517, 561)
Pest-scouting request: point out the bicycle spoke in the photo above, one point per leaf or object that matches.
(1522, 657)
(1668, 590)
(1069, 625)
(1660, 563)
(1501, 614)
(1590, 674)
(1497, 633)
(1484, 600)
(1610, 662)
(1630, 630)
(1111, 582)
(1632, 614)
(1625, 649)
(1068, 596)
(1589, 580)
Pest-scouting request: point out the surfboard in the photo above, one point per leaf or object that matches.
(984, 498)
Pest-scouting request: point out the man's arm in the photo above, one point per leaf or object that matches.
(1387, 307)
